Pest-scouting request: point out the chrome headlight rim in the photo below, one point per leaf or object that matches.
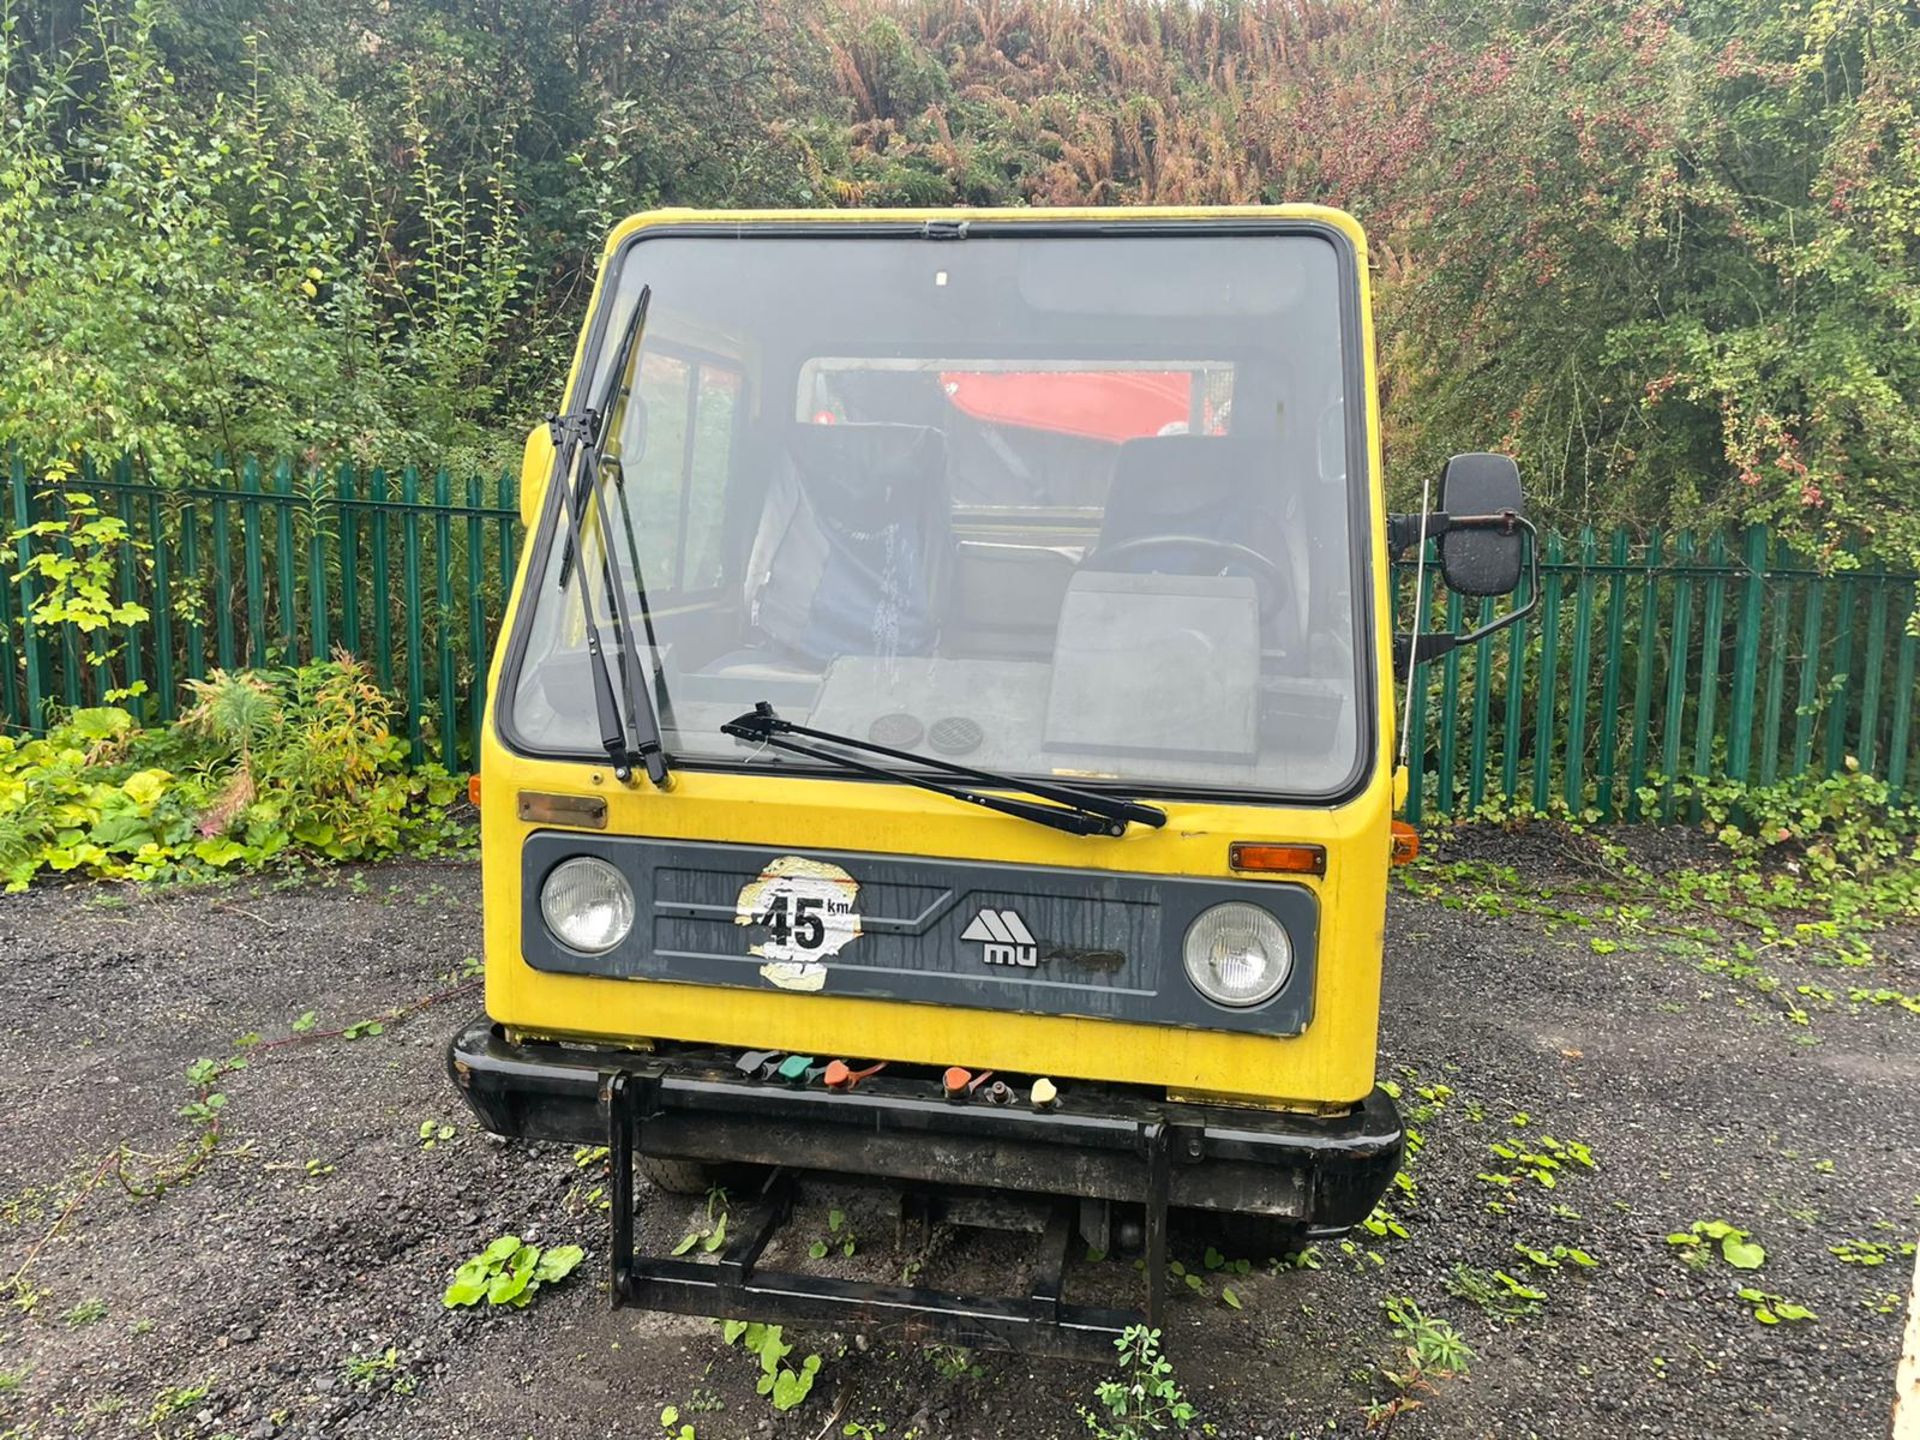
(619, 894)
(1263, 926)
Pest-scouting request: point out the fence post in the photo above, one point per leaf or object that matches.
(1746, 656)
(163, 677)
(1607, 762)
(346, 489)
(130, 591)
(1679, 643)
(1810, 622)
(1516, 677)
(476, 621)
(32, 650)
(382, 616)
(1712, 625)
(1643, 676)
(1870, 684)
(1449, 707)
(288, 608)
(410, 580)
(256, 569)
(320, 642)
(1482, 703)
(443, 630)
(1574, 783)
(1840, 709)
(1552, 581)
(1776, 668)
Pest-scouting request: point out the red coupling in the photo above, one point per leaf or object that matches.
(956, 1083)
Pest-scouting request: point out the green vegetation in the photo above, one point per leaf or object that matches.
(783, 1383)
(510, 1273)
(1145, 1398)
(267, 767)
(1736, 1247)
(1681, 301)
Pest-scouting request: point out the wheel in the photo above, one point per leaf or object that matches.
(697, 1177)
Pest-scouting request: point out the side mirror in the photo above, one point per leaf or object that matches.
(1485, 541)
(1481, 559)
(536, 464)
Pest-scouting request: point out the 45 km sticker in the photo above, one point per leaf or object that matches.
(807, 910)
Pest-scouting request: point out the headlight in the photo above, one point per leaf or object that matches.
(1237, 954)
(587, 904)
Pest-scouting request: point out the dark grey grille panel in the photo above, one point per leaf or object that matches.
(1103, 945)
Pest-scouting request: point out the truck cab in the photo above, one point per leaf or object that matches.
(942, 733)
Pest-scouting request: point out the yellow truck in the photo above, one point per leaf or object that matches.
(942, 733)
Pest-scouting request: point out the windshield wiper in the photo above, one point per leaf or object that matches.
(580, 439)
(1078, 812)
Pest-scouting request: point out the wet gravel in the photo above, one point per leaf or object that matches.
(323, 1229)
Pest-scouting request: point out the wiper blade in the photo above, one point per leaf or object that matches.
(1078, 812)
(581, 438)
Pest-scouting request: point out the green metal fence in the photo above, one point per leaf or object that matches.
(1674, 655)
(1654, 657)
(275, 567)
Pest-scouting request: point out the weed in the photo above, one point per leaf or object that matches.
(1553, 1259)
(11, 1381)
(954, 1362)
(308, 1019)
(711, 1235)
(1433, 1346)
(784, 1384)
(87, 1312)
(1145, 1400)
(172, 1399)
(434, 1133)
(508, 1272)
(671, 1423)
(839, 1236)
(1736, 1248)
(380, 1372)
(1868, 1252)
(864, 1429)
(1771, 1309)
(1495, 1291)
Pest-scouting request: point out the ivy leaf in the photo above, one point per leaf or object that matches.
(1742, 1254)
(1231, 1299)
(557, 1262)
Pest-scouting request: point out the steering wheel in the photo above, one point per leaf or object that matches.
(1266, 575)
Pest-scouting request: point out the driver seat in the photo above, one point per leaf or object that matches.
(1212, 487)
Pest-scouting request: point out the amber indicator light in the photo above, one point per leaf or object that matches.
(1406, 843)
(1277, 859)
(473, 791)
(582, 811)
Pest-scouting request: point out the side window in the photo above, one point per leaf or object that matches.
(677, 484)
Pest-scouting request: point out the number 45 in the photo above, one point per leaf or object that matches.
(795, 919)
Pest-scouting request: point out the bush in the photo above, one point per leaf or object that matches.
(266, 766)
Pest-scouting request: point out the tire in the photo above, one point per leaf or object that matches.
(697, 1177)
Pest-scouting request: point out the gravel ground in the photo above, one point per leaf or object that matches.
(322, 1227)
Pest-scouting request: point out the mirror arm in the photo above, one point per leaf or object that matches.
(1431, 645)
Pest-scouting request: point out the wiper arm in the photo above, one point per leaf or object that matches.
(1078, 812)
(581, 438)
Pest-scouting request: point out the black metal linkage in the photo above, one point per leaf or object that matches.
(1040, 1322)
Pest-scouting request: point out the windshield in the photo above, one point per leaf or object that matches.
(1057, 505)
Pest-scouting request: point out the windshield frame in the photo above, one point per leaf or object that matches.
(934, 228)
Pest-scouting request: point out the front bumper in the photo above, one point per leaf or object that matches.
(1324, 1173)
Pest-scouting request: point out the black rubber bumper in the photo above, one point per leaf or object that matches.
(1323, 1172)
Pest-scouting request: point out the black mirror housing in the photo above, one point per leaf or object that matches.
(1481, 559)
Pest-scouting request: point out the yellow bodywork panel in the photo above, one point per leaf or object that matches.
(1330, 1064)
